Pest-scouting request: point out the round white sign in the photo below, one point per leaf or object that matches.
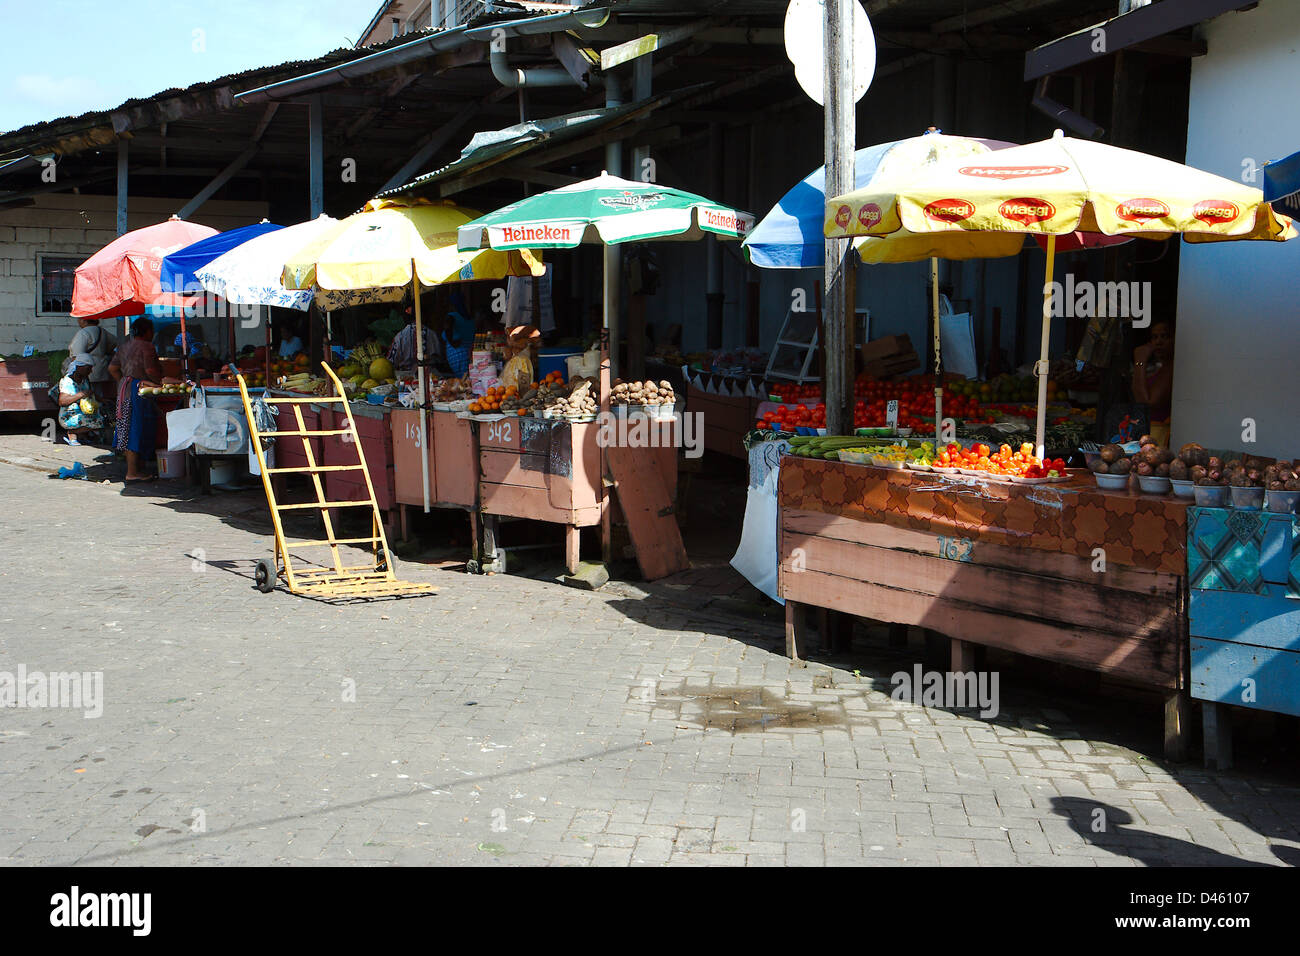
(805, 45)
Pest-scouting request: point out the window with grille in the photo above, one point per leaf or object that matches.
(54, 293)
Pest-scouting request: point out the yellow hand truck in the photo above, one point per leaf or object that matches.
(336, 583)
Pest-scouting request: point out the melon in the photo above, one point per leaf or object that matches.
(381, 369)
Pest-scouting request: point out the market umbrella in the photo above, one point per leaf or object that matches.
(124, 277)
(1056, 187)
(791, 236)
(179, 267)
(393, 244)
(177, 274)
(605, 211)
(249, 273)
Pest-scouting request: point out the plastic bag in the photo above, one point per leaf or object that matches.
(756, 557)
(518, 372)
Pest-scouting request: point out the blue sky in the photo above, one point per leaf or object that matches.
(64, 57)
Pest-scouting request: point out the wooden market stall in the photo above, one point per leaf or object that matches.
(536, 469)
(1060, 572)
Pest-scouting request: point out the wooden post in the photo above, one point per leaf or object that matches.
(796, 628)
(840, 129)
(963, 657)
(1176, 727)
(1216, 721)
(316, 155)
(423, 393)
(122, 152)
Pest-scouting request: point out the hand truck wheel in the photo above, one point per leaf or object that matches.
(265, 575)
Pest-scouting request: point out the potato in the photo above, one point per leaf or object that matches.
(1111, 453)
(1099, 467)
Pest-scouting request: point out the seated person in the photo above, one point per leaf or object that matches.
(75, 387)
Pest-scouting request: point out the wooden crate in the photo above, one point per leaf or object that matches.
(453, 465)
(375, 433)
(727, 420)
(541, 470)
(25, 385)
(1127, 623)
(1244, 617)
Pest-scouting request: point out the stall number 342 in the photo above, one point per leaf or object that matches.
(956, 549)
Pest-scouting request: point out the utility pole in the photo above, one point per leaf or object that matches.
(840, 312)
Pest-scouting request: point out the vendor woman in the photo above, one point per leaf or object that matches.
(1153, 378)
(134, 366)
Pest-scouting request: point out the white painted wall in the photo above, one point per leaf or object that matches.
(1238, 329)
(67, 224)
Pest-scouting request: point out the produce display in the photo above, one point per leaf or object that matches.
(450, 390)
(165, 390)
(549, 398)
(641, 393)
(1020, 465)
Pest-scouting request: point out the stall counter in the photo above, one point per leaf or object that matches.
(1061, 572)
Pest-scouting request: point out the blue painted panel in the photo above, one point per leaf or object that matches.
(1259, 620)
(1234, 674)
(1248, 552)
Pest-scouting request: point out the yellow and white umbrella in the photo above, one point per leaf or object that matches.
(1054, 188)
(392, 244)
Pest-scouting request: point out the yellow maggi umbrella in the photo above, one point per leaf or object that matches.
(1054, 188)
(374, 255)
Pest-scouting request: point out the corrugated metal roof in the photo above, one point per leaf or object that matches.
(97, 117)
(497, 145)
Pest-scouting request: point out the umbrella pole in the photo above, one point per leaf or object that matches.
(1041, 435)
(266, 355)
(185, 347)
(938, 379)
(608, 306)
(419, 371)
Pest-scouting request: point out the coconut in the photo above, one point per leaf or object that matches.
(1196, 472)
(1162, 469)
(1193, 454)
(1145, 469)
(1178, 469)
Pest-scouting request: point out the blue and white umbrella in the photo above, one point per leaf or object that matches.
(792, 235)
(178, 268)
(1282, 184)
(250, 273)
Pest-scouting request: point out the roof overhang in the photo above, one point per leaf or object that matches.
(1138, 26)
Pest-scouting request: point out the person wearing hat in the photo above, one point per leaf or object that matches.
(78, 407)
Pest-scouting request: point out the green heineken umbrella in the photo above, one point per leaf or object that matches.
(607, 211)
(604, 211)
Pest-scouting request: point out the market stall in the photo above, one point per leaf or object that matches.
(606, 211)
(1008, 548)
(1063, 572)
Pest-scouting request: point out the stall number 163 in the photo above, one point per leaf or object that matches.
(956, 549)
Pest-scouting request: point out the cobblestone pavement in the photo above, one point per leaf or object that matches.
(514, 721)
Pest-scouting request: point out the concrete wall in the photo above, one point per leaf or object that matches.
(1238, 327)
(77, 226)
